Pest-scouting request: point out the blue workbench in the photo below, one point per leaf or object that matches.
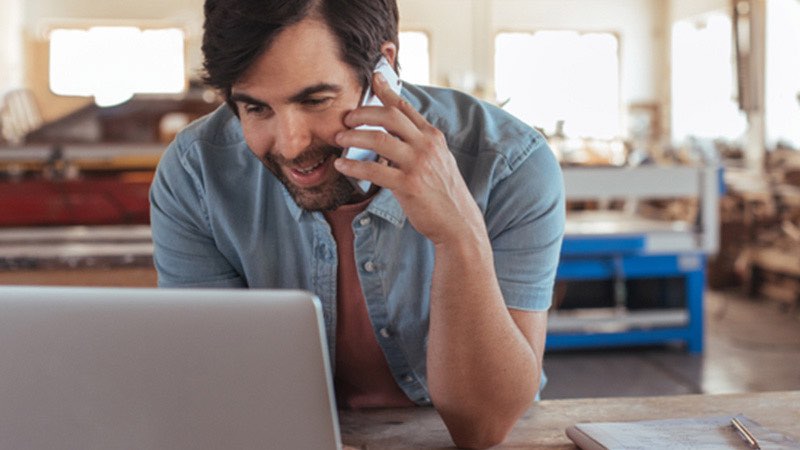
(623, 248)
(622, 258)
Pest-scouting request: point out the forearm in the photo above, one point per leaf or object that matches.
(481, 367)
(482, 373)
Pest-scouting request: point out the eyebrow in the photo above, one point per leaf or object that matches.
(315, 89)
(239, 97)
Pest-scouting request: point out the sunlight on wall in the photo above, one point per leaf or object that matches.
(783, 72)
(703, 84)
(112, 64)
(552, 76)
(415, 57)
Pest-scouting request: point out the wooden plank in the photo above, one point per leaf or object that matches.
(108, 277)
(774, 259)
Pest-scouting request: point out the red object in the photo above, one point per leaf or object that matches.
(93, 201)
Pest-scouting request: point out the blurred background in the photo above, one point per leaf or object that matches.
(677, 123)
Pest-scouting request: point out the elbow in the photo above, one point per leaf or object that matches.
(484, 418)
(480, 431)
(480, 439)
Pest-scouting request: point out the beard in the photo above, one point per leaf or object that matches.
(327, 196)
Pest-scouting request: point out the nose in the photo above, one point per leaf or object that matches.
(292, 135)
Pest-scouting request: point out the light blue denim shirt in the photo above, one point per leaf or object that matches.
(221, 219)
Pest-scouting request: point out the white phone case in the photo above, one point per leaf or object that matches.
(363, 154)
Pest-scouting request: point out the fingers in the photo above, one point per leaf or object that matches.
(408, 131)
(379, 173)
(382, 143)
(389, 98)
(402, 112)
(390, 118)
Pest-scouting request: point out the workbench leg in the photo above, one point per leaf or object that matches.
(695, 288)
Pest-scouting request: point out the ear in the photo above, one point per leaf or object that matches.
(389, 50)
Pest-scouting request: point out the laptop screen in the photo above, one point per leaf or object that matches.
(106, 368)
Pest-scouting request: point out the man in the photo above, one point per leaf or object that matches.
(435, 283)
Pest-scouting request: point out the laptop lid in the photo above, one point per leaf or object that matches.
(110, 368)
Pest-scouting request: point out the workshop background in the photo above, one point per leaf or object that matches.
(677, 124)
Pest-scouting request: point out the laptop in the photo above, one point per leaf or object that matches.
(111, 368)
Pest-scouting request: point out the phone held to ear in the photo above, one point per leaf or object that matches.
(363, 154)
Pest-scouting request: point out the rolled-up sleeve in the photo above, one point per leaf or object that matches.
(184, 251)
(525, 218)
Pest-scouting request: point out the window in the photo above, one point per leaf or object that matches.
(703, 83)
(112, 64)
(415, 66)
(783, 72)
(551, 76)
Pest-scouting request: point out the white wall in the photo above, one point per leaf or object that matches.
(188, 14)
(10, 45)
(449, 25)
(684, 9)
(140, 9)
(634, 21)
(463, 33)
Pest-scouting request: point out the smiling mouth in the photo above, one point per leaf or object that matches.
(310, 175)
(309, 169)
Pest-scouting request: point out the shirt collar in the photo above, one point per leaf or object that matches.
(294, 210)
(386, 206)
(383, 205)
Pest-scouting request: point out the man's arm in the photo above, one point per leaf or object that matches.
(484, 362)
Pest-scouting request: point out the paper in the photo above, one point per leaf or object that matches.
(706, 433)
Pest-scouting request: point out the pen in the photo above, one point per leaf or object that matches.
(745, 433)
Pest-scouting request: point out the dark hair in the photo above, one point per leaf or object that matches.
(237, 32)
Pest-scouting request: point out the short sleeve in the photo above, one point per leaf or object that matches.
(184, 251)
(525, 219)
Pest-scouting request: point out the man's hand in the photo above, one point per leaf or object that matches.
(422, 173)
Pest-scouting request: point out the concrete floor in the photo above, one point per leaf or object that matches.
(750, 345)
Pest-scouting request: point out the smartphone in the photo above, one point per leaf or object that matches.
(364, 154)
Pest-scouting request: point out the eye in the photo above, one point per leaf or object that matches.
(253, 109)
(317, 102)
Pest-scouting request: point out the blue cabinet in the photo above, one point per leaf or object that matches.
(643, 280)
(621, 260)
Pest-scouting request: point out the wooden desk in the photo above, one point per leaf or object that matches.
(543, 426)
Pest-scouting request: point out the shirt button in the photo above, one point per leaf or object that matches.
(365, 221)
(369, 266)
(408, 378)
(385, 333)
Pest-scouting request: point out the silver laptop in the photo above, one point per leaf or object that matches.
(103, 368)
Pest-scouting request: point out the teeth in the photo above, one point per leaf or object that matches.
(310, 169)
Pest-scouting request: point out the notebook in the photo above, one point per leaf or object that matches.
(103, 368)
(709, 433)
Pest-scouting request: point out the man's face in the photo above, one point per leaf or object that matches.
(291, 103)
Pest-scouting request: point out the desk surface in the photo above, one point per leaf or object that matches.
(543, 426)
